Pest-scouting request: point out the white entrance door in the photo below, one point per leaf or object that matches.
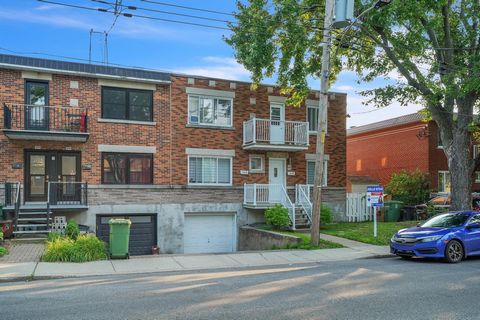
(277, 123)
(276, 179)
(209, 233)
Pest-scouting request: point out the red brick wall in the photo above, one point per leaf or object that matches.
(188, 137)
(89, 96)
(169, 135)
(381, 153)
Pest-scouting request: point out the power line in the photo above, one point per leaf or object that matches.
(188, 8)
(165, 12)
(130, 15)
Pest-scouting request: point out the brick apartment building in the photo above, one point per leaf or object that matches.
(188, 159)
(376, 151)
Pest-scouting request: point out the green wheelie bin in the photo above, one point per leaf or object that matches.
(119, 237)
(392, 210)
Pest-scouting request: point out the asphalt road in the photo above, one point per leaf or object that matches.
(360, 289)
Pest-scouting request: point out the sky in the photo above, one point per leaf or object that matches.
(30, 27)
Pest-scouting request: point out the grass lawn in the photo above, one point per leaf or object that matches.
(363, 231)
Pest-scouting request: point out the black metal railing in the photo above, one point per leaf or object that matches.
(10, 193)
(67, 193)
(45, 118)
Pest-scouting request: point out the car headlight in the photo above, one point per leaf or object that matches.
(393, 238)
(429, 239)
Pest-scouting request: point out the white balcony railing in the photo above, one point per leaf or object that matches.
(262, 131)
(302, 199)
(267, 195)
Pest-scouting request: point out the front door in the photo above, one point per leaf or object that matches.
(60, 168)
(277, 123)
(276, 180)
(36, 100)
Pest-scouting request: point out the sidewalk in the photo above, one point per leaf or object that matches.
(186, 262)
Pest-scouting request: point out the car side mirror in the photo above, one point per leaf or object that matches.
(419, 224)
(473, 226)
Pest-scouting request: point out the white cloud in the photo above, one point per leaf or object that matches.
(218, 67)
(343, 88)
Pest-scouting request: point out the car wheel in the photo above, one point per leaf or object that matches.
(454, 252)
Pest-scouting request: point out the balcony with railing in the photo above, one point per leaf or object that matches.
(263, 134)
(37, 122)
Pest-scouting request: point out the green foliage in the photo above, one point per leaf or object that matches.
(1, 236)
(72, 230)
(277, 216)
(325, 214)
(84, 248)
(53, 236)
(411, 188)
(3, 251)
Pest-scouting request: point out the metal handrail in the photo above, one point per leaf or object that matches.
(303, 200)
(17, 206)
(80, 198)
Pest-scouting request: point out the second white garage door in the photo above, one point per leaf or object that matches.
(209, 233)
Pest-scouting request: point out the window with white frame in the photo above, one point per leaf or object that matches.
(311, 172)
(256, 164)
(209, 171)
(209, 111)
(312, 118)
(477, 176)
(444, 181)
(476, 150)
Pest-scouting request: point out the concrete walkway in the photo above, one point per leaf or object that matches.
(186, 262)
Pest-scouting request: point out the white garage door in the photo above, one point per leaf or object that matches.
(209, 233)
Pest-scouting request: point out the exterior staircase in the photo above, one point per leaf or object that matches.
(302, 221)
(33, 222)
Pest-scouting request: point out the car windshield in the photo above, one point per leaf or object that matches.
(446, 220)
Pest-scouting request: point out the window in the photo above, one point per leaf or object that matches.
(209, 111)
(312, 118)
(443, 181)
(127, 104)
(477, 176)
(311, 172)
(125, 168)
(256, 164)
(209, 171)
(439, 140)
(476, 150)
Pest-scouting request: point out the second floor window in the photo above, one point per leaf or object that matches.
(127, 104)
(312, 118)
(210, 111)
(126, 168)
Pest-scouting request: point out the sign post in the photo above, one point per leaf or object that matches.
(375, 200)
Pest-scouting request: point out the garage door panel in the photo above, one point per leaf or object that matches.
(209, 233)
(142, 232)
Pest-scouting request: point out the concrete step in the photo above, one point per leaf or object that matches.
(34, 219)
(31, 231)
(33, 213)
(28, 225)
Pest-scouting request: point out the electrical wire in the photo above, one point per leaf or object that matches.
(165, 12)
(187, 7)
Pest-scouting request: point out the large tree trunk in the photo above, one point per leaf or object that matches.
(460, 162)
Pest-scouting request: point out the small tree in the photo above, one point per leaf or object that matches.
(277, 216)
(409, 187)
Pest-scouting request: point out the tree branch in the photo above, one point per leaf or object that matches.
(448, 41)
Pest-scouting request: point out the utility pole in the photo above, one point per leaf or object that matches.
(322, 122)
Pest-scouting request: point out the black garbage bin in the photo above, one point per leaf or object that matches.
(408, 213)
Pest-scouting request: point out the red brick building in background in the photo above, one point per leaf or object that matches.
(378, 150)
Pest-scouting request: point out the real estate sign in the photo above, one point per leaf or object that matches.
(375, 196)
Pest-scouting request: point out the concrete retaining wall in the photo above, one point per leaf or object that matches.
(250, 238)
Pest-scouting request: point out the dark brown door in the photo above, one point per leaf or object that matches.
(60, 168)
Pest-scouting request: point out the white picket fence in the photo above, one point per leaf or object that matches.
(357, 210)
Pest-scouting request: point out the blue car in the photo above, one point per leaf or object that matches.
(452, 236)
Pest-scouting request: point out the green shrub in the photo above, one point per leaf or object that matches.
(53, 236)
(411, 188)
(1, 236)
(325, 214)
(277, 216)
(72, 230)
(3, 251)
(85, 248)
